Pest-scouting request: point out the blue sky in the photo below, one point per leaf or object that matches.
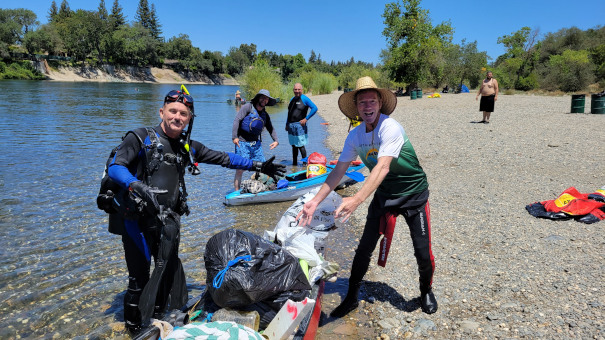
(339, 30)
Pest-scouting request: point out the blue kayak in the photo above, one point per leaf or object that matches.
(297, 186)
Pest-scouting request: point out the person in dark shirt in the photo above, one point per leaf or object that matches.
(149, 166)
(296, 125)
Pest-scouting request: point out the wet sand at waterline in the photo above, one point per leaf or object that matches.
(500, 272)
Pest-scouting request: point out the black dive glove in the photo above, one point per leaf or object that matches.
(269, 168)
(148, 195)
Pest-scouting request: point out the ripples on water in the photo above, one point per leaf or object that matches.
(62, 274)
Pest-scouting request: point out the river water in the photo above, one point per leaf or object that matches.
(62, 274)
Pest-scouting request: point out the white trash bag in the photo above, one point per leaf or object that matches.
(304, 242)
(323, 219)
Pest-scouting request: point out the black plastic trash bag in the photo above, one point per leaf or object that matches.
(242, 268)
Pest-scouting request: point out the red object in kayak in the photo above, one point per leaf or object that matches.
(355, 163)
(387, 229)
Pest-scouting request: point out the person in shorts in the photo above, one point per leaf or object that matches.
(246, 132)
(489, 94)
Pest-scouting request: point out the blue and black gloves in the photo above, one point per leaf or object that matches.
(269, 168)
(148, 195)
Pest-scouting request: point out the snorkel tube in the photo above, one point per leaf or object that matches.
(193, 169)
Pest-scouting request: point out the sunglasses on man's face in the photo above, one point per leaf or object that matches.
(178, 96)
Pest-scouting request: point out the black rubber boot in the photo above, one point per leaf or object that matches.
(349, 303)
(158, 312)
(132, 314)
(294, 155)
(303, 152)
(132, 318)
(428, 302)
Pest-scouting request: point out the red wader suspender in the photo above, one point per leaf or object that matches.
(387, 228)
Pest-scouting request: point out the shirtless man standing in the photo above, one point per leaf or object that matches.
(489, 94)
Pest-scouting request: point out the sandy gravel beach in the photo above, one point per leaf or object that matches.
(500, 272)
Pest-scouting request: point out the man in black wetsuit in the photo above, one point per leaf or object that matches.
(149, 166)
(296, 125)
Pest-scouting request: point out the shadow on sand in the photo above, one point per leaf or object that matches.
(370, 291)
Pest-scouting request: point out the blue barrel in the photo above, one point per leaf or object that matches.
(577, 103)
(597, 103)
(418, 93)
(413, 94)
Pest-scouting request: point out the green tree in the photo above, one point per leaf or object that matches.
(154, 24)
(64, 11)
(103, 25)
(178, 48)
(143, 14)
(570, 71)
(216, 61)
(349, 75)
(249, 51)
(519, 61)
(564, 39)
(290, 64)
(44, 39)
(472, 63)
(9, 28)
(80, 32)
(240, 58)
(53, 11)
(411, 40)
(597, 55)
(262, 76)
(273, 58)
(115, 21)
(117, 17)
(34, 41)
(312, 58)
(135, 46)
(15, 23)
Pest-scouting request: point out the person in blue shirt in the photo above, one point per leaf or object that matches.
(296, 125)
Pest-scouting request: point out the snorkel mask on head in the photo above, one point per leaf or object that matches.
(181, 96)
(184, 97)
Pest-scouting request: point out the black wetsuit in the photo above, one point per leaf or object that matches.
(141, 237)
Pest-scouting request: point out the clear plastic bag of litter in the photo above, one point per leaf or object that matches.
(323, 219)
(307, 242)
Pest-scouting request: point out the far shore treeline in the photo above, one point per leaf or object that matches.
(417, 53)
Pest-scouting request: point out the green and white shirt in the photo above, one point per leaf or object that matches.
(405, 175)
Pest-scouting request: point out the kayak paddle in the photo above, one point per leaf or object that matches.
(356, 176)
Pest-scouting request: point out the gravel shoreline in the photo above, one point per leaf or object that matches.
(500, 272)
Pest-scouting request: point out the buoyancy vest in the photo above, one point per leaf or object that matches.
(163, 162)
(160, 164)
(297, 110)
(253, 123)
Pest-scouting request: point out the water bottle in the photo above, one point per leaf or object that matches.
(249, 319)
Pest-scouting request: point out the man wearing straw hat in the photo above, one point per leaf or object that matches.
(238, 98)
(397, 180)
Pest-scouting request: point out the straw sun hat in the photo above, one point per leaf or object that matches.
(347, 104)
